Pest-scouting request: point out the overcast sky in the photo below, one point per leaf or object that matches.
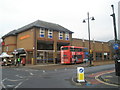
(68, 13)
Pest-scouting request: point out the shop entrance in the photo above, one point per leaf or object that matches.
(45, 51)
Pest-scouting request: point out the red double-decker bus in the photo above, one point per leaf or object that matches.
(72, 54)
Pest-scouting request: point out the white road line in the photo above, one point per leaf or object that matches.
(31, 73)
(18, 84)
(43, 71)
(14, 80)
(18, 76)
(4, 79)
(10, 85)
(3, 84)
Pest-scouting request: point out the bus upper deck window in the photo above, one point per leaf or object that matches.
(78, 50)
(65, 48)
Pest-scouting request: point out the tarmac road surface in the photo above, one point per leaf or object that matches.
(56, 78)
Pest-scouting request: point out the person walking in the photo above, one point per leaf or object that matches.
(18, 61)
(23, 61)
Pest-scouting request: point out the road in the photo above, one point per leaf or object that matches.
(58, 78)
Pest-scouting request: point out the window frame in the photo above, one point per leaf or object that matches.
(60, 35)
(42, 33)
(67, 37)
(50, 34)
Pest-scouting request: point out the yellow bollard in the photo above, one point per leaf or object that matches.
(80, 74)
(32, 61)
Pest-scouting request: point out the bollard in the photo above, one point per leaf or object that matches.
(32, 61)
(80, 74)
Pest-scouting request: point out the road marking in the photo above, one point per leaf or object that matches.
(18, 84)
(43, 70)
(106, 80)
(75, 82)
(3, 84)
(14, 80)
(31, 74)
(19, 76)
(95, 74)
(109, 76)
(96, 77)
(10, 86)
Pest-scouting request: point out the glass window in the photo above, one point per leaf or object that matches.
(72, 49)
(76, 49)
(78, 56)
(50, 34)
(42, 33)
(65, 48)
(66, 36)
(60, 35)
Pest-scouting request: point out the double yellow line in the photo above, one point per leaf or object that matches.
(96, 77)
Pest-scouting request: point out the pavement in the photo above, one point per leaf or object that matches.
(110, 79)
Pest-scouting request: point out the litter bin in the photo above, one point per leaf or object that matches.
(117, 65)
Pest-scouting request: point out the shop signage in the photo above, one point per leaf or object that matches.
(24, 37)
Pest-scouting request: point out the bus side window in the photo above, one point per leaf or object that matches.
(72, 49)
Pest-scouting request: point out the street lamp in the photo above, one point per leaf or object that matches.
(84, 21)
(114, 23)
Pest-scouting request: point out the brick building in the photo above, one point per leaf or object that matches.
(40, 42)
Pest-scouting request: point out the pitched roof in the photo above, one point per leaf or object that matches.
(40, 24)
(11, 33)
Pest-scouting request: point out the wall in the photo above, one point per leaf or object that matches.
(98, 48)
(10, 44)
(25, 40)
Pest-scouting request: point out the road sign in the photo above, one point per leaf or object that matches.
(80, 74)
(116, 46)
(81, 70)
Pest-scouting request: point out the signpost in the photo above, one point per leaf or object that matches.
(80, 74)
(116, 46)
(15, 52)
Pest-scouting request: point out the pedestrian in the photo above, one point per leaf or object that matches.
(18, 61)
(76, 59)
(23, 61)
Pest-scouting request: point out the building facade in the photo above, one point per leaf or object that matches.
(41, 42)
(100, 50)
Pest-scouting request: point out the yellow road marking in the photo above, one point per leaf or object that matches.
(103, 81)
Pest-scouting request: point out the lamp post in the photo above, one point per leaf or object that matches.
(116, 46)
(114, 23)
(84, 21)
